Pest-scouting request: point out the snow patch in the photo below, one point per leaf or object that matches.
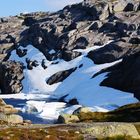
(78, 85)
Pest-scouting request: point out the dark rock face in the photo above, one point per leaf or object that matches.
(28, 21)
(112, 52)
(69, 55)
(11, 75)
(125, 76)
(60, 76)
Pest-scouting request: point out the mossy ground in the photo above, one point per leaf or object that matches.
(127, 113)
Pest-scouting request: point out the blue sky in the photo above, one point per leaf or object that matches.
(14, 7)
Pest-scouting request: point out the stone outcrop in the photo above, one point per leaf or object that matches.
(11, 75)
(8, 114)
(78, 26)
(112, 130)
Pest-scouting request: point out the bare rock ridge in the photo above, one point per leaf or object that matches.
(78, 26)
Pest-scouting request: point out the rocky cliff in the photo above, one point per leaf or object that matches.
(114, 24)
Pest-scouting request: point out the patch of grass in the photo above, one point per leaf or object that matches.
(127, 113)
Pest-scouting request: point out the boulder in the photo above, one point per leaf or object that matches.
(8, 114)
(109, 53)
(66, 118)
(69, 55)
(11, 75)
(8, 109)
(82, 110)
(60, 76)
(120, 6)
(105, 130)
(11, 118)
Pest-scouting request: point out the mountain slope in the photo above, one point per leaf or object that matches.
(87, 53)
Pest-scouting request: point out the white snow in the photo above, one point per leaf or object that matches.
(90, 94)
(78, 85)
(51, 110)
(52, 51)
